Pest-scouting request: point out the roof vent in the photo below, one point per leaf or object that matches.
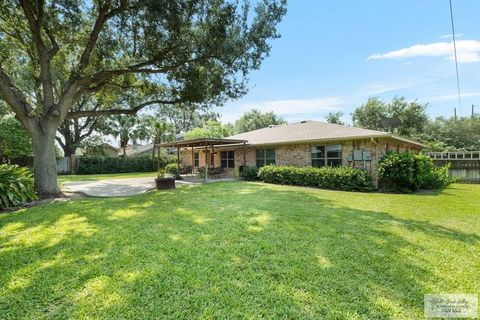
(304, 121)
(271, 126)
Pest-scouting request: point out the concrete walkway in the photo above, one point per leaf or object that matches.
(111, 188)
(122, 187)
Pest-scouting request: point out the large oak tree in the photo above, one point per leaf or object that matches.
(55, 52)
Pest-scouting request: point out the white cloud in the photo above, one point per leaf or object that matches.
(467, 51)
(289, 109)
(378, 88)
(449, 36)
(454, 96)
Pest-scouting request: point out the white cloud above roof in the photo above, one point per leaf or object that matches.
(286, 108)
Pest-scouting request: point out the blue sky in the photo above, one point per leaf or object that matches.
(333, 55)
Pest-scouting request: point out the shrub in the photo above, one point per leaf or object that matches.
(16, 186)
(101, 164)
(396, 172)
(173, 169)
(201, 172)
(249, 173)
(407, 172)
(438, 178)
(336, 178)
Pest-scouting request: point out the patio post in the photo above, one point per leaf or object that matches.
(213, 156)
(178, 159)
(244, 155)
(193, 160)
(206, 161)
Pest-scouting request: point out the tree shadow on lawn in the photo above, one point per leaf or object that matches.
(225, 250)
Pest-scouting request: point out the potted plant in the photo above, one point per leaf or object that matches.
(163, 181)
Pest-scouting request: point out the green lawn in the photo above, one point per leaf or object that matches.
(93, 177)
(240, 250)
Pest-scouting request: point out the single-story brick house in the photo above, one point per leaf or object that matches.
(307, 143)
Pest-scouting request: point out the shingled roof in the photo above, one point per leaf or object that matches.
(312, 131)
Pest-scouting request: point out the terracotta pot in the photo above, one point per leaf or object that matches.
(165, 183)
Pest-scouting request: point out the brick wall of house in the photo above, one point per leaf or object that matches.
(300, 154)
(293, 155)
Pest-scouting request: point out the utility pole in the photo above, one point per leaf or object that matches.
(455, 113)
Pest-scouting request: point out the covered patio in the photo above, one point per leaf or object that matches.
(208, 145)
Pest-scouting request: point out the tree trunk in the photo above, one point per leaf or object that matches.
(45, 164)
(68, 148)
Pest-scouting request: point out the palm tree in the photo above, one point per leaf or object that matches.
(126, 128)
(159, 131)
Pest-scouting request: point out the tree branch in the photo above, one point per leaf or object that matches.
(103, 16)
(100, 113)
(90, 130)
(35, 26)
(60, 142)
(13, 96)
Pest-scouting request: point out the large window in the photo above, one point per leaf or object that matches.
(265, 157)
(196, 159)
(330, 155)
(227, 159)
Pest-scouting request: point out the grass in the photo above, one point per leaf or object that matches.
(240, 250)
(93, 177)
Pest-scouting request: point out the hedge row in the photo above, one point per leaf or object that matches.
(336, 178)
(407, 172)
(16, 186)
(101, 164)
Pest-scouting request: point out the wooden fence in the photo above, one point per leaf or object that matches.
(463, 165)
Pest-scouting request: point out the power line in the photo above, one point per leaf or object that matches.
(456, 60)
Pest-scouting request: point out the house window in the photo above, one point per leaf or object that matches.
(318, 156)
(330, 155)
(227, 159)
(265, 157)
(196, 159)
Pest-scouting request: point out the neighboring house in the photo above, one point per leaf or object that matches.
(307, 143)
(108, 150)
(137, 150)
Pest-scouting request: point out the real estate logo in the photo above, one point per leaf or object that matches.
(451, 305)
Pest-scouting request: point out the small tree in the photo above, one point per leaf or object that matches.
(158, 131)
(335, 118)
(254, 119)
(212, 129)
(126, 129)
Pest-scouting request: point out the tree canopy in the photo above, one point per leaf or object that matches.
(170, 51)
(462, 134)
(212, 129)
(255, 119)
(335, 118)
(412, 115)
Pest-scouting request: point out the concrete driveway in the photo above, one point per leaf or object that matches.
(111, 188)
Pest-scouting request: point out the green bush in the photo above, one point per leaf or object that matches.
(407, 172)
(101, 164)
(173, 169)
(201, 172)
(438, 178)
(336, 178)
(16, 186)
(423, 168)
(250, 173)
(396, 172)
